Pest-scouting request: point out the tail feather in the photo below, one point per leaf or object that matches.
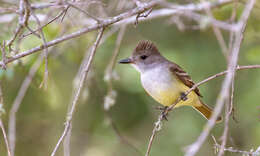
(206, 111)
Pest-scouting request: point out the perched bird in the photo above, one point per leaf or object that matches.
(164, 80)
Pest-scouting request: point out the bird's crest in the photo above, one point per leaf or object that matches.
(145, 45)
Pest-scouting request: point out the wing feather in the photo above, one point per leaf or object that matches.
(184, 77)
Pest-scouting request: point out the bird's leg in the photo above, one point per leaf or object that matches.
(164, 111)
(161, 108)
(183, 96)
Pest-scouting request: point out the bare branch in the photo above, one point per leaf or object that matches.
(77, 94)
(5, 137)
(66, 143)
(1, 122)
(104, 23)
(52, 20)
(17, 102)
(183, 10)
(229, 103)
(45, 78)
(218, 34)
(109, 75)
(24, 12)
(232, 150)
(127, 17)
(85, 12)
(110, 98)
(224, 93)
(157, 128)
(3, 55)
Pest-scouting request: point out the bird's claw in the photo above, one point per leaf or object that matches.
(164, 111)
(183, 96)
(164, 115)
(161, 108)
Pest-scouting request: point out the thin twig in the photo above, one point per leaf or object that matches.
(3, 55)
(5, 137)
(77, 94)
(157, 128)
(24, 12)
(85, 12)
(111, 95)
(1, 122)
(109, 72)
(45, 77)
(66, 143)
(218, 34)
(232, 150)
(17, 102)
(229, 104)
(52, 20)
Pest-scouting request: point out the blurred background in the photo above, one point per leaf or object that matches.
(41, 116)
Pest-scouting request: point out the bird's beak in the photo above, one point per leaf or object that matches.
(126, 61)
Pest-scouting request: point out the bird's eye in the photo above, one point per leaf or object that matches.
(143, 57)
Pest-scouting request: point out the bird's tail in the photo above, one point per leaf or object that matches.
(206, 111)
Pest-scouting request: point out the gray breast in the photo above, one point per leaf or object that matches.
(157, 79)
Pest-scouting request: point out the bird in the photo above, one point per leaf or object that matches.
(164, 80)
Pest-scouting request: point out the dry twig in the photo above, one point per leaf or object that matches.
(1, 122)
(252, 152)
(17, 102)
(24, 12)
(45, 77)
(229, 103)
(3, 55)
(77, 94)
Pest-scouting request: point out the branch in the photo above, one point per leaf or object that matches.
(77, 94)
(24, 12)
(128, 17)
(158, 123)
(183, 9)
(1, 122)
(229, 105)
(52, 20)
(45, 77)
(17, 102)
(109, 72)
(3, 55)
(232, 150)
(80, 32)
(66, 143)
(218, 34)
(110, 98)
(224, 93)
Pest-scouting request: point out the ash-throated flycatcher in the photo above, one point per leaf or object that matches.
(164, 80)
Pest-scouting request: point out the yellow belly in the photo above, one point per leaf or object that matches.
(168, 96)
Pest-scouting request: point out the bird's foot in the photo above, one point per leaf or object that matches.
(183, 96)
(160, 108)
(164, 111)
(164, 114)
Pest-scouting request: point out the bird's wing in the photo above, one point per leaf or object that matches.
(183, 76)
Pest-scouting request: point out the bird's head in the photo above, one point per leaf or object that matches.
(144, 57)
